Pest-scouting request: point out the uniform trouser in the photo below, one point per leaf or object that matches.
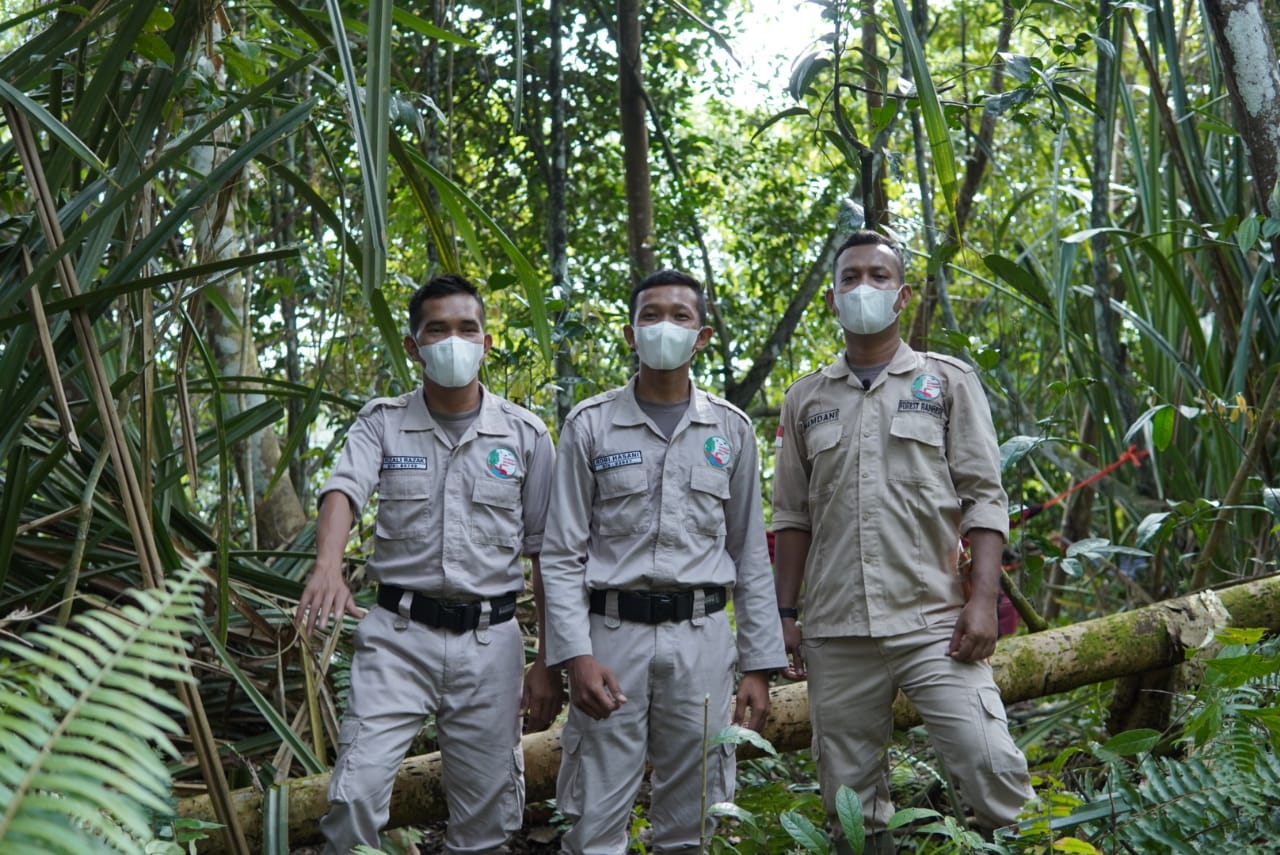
(401, 672)
(666, 671)
(852, 684)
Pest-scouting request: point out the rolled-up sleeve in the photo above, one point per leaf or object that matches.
(755, 604)
(974, 458)
(564, 548)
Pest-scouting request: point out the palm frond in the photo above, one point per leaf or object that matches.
(84, 725)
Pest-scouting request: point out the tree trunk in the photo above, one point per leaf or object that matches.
(278, 515)
(1028, 666)
(635, 141)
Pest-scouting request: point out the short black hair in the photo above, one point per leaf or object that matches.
(668, 277)
(866, 237)
(437, 287)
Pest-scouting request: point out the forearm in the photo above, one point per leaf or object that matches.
(333, 529)
(985, 548)
(539, 606)
(791, 551)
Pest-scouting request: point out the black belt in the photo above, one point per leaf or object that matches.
(443, 614)
(659, 606)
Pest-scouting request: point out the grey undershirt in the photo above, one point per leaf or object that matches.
(454, 425)
(665, 416)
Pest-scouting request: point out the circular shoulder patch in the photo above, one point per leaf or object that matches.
(718, 451)
(503, 463)
(926, 387)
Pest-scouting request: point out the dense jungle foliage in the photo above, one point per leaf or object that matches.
(212, 216)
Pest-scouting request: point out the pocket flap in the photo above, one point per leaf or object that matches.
(713, 481)
(393, 484)
(622, 482)
(823, 437)
(993, 703)
(920, 427)
(497, 494)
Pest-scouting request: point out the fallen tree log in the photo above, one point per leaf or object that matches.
(1027, 666)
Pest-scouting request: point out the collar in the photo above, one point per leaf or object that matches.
(489, 421)
(628, 412)
(903, 361)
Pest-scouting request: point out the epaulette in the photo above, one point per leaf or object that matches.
(376, 403)
(728, 405)
(949, 360)
(528, 417)
(801, 379)
(591, 403)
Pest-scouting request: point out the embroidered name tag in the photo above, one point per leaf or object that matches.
(921, 407)
(819, 418)
(613, 461)
(404, 463)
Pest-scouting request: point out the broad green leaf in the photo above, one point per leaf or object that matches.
(849, 813)
(804, 832)
(1131, 742)
(736, 735)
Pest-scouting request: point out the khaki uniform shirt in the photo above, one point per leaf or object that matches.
(452, 520)
(886, 480)
(632, 511)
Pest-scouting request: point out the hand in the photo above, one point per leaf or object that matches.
(792, 636)
(326, 596)
(593, 688)
(753, 693)
(543, 696)
(974, 638)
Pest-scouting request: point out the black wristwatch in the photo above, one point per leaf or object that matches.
(784, 612)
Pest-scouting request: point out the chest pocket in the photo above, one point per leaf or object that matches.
(709, 490)
(622, 497)
(917, 448)
(823, 437)
(495, 513)
(404, 504)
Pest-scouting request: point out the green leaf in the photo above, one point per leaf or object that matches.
(1019, 278)
(804, 832)
(907, 816)
(935, 120)
(1131, 742)
(734, 734)
(264, 707)
(849, 813)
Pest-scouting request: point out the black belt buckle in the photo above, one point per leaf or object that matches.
(458, 617)
(661, 606)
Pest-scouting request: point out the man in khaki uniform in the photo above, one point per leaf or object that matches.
(462, 478)
(885, 459)
(655, 522)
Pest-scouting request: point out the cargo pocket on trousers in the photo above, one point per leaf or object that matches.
(569, 780)
(721, 781)
(1002, 753)
(348, 742)
(513, 802)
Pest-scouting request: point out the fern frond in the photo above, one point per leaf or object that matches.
(82, 721)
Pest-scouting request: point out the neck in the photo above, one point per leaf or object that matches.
(443, 399)
(663, 387)
(874, 349)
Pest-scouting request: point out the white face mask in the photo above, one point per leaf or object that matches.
(866, 309)
(664, 346)
(453, 362)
